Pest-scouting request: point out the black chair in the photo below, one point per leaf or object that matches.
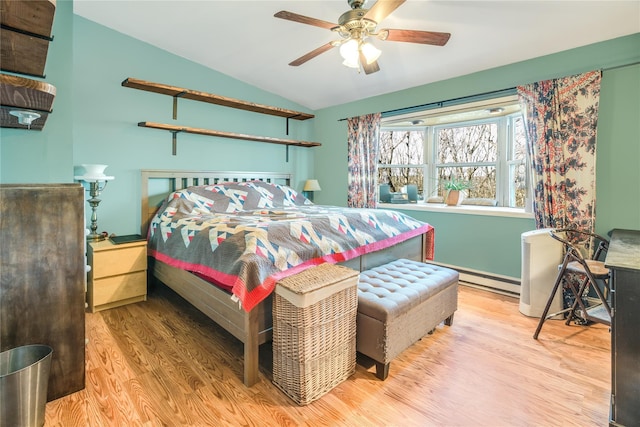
(591, 275)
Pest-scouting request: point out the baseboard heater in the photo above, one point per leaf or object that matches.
(505, 285)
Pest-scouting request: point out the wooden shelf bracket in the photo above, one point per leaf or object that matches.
(175, 103)
(174, 141)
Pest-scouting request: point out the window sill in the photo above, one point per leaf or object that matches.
(463, 209)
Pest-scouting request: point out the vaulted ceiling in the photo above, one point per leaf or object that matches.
(244, 40)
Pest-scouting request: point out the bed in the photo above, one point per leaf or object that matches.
(240, 301)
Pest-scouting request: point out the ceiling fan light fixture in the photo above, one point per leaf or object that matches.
(25, 117)
(370, 52)
(349, 51)
(351, 63)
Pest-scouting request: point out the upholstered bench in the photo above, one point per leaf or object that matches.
(398, 304)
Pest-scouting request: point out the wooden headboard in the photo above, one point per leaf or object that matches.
(158, 184)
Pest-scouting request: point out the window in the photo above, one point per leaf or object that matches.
(482, 143)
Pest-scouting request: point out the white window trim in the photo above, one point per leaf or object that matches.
(461, 209)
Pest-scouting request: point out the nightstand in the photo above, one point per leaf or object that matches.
(118, 274)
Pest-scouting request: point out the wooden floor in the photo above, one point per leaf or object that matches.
(162, 363)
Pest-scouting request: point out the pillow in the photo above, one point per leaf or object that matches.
(231, 197)
(291, 196)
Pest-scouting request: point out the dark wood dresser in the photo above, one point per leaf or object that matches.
(42, 277)
(623, 260)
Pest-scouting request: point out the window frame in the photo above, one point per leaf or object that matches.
(506, 163)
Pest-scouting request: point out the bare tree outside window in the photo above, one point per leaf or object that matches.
(401, 147)
(468, 144)
(474, 152)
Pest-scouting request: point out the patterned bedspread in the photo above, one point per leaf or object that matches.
(247, 236)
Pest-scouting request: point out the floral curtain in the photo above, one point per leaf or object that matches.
(362, 160)
(561, 118)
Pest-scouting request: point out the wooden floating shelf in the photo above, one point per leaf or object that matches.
(19, 93)
(222, 134)
(25, 35)
(34, 16)
(209, 132)
(26, 93)
(178, 92)
(23, 54)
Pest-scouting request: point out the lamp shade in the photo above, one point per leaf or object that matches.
(94, 173)
(311, 185)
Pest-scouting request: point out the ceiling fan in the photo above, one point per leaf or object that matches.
(355, 27)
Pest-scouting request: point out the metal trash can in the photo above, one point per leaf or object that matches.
(24, 376)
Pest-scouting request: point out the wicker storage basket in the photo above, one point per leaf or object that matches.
(314, 331)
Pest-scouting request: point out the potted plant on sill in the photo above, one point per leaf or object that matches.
(455, 191)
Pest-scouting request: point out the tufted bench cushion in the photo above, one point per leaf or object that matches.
(400, 302)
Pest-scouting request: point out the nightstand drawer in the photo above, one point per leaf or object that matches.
(117, 288)
(119, 260)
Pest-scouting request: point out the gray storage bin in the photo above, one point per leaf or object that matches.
(24, 376)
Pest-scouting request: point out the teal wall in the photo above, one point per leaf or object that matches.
(488, 243)
(95, 121)
(47, 156)
(618, 156)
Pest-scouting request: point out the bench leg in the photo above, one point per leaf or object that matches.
(382, 370)
(449, 320)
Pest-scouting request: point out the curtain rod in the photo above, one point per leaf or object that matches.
(453, 101)
(440, 104)
(470, 97)
(615, 67)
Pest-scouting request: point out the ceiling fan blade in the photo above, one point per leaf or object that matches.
(382, 8)
(368, 68)
(290, 16)
(311, 55)
(415, 36)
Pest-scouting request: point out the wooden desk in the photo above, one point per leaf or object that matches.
(623, 259)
